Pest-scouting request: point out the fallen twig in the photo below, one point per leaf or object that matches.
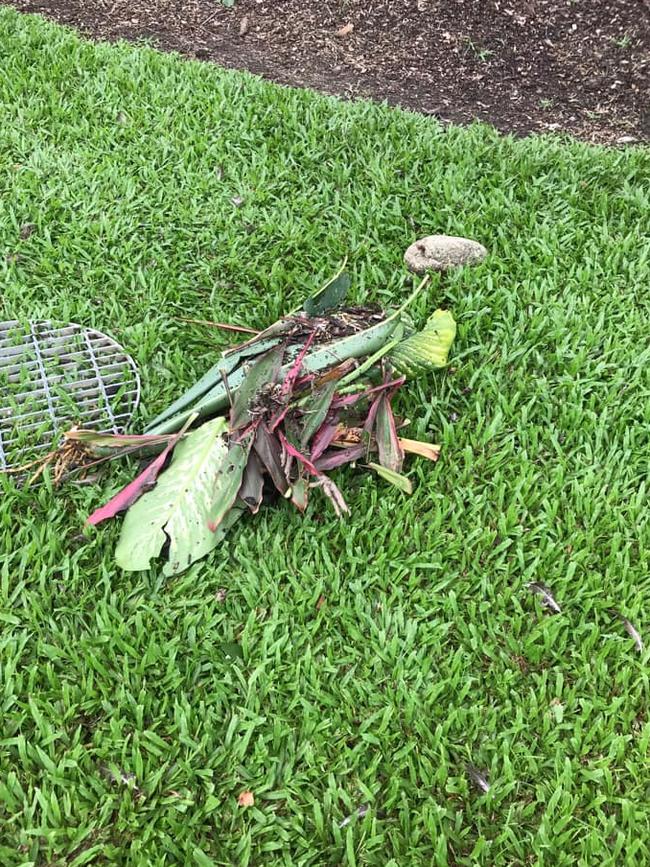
(211, 16)
(225, 326)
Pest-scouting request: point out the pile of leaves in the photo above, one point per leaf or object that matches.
(311, 393)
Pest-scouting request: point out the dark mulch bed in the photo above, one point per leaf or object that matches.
(524, 65)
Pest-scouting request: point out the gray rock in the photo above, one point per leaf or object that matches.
(442, 252)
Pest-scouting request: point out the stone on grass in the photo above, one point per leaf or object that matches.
(442, 252)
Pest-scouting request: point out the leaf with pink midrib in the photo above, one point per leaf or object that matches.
(128, 495)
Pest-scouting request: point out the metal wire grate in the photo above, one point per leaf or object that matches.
(54, 376)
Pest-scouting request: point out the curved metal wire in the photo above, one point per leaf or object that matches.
(54, 375)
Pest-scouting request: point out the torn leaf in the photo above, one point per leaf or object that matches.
(181, 506)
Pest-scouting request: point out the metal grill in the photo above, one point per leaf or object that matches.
(54, 376)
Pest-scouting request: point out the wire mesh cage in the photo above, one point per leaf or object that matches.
(54, 376)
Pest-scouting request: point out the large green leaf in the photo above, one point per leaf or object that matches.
(330, 296)
(429, 348)
(196, 491)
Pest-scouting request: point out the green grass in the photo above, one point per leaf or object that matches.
(428, 651)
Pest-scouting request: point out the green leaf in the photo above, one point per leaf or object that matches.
(196, 491)
(263, 372)
(394, 478)
(315, 410)
(215, 375)
(229, 481)
(430, 348)
(200, 858)
(391, 454)
(330, 296)
(87, 856)
(212, 803)
(300, 493)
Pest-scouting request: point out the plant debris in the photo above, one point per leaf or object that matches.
(358, 814)
(312, 392)
(630, 629)
(119, 776)
(246, 799)
(478, 778)
(545, 595)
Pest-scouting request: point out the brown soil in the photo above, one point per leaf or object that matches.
(581, 66)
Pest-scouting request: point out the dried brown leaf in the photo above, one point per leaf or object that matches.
(246, 799)
(424, 450)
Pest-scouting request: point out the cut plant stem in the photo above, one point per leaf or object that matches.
(394, 478)
(224, 326)
(423, 283)
(369, 363)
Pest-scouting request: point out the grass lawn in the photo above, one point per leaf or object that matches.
(129, 723)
